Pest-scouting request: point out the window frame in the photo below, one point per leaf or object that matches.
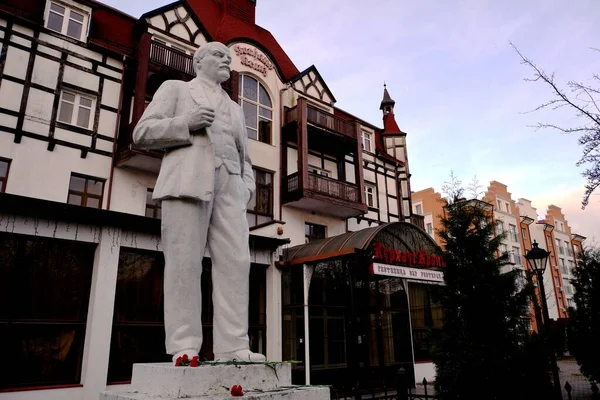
(259, 105)
(429, 228)
(372, 190)
(84, 194)
(4, 179)
(76, 108)
(419, 209)
(70, 7)
(366, 141)
(257, 214)
(310, 225)
(156, 207)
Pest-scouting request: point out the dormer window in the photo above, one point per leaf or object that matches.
(69, 21)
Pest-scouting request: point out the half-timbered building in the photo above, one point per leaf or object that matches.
(80, 251)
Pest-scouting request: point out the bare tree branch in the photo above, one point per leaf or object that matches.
(584, 101)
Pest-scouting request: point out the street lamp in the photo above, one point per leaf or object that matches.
(538, 259)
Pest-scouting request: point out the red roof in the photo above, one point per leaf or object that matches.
(390, 126)
(225, 27)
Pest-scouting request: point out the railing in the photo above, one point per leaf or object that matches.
(323, 119)
(418, 220)
(328, 186)
(171, 58)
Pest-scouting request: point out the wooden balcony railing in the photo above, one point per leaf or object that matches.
(418, 220)
(327, 186)
(172, 58)
(323, 119)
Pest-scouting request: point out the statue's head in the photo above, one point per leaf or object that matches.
(213, 62)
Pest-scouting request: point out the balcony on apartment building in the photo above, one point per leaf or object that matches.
(418, 220)
(313, 133)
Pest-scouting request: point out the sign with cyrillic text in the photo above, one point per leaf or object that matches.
(407, 273)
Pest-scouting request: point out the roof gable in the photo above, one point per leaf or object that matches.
(311, 83)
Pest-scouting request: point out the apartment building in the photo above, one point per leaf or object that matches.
(81, 271)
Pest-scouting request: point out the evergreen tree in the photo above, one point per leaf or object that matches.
(484, 350)
(584, 320)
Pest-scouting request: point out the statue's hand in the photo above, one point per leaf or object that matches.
(200, 117)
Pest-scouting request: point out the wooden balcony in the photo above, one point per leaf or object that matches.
(323, 120)
(169, 57)
(418, 220)
(324, 195)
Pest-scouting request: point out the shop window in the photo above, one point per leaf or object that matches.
(44, 298)
(314, 232)
(4, 169)
(138, 334)
(260, 209)
(258, 109)
(66, 20)
(85, 191)
(426, 318)
(76, 109)
(153, 208)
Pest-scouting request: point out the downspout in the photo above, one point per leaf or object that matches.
(117, 125)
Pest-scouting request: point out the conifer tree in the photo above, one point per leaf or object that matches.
(484, 348)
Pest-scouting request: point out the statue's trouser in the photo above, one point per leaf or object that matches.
(222, 225)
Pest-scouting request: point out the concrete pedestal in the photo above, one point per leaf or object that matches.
(213, 381)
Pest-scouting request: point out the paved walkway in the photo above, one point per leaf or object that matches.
(569, 371)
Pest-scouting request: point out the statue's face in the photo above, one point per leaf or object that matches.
(215, 65)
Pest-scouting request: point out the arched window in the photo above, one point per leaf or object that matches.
(258, 109)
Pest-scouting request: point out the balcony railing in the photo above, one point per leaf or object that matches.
(324, 120)
(172, 58)
(418, 220)
(327, 186)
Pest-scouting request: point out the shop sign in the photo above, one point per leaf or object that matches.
(417, 258)
(407, 273)
(252, 58)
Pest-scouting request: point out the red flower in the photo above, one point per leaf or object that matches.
(184, 357)
(236, 391)
(194, 362)
(178, 361)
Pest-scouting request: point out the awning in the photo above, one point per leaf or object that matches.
(405, 236)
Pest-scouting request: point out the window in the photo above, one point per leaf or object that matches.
(429, 226)
(568, 289)
(153, 209)
(419, 209)
(564, 271)
(426, 318)
(499, 205)
(85, 191)
(571, 265)
(524, 233)
(44, 298)
(571, 303)
(366, 139)
(67, 21)
(513, 232)
(260, 209)
(499, 227)
(258, 109)
(318, 171)
(4, 167)
(369, 196)
(76, 109)
(507, 207)
(559, 245)
(313, 232)
(562, 262)
(568, 248)
(503, 249)
(517, 255)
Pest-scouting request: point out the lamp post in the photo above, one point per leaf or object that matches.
(538, 259)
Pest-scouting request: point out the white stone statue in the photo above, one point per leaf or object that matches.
(205, 183)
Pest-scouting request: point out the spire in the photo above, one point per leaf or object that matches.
(387, 104)
(390, 126)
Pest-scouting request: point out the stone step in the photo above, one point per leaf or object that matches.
(287, 393)
(166, 380)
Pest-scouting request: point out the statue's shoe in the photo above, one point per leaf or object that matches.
(190, 353)
(240, 355)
